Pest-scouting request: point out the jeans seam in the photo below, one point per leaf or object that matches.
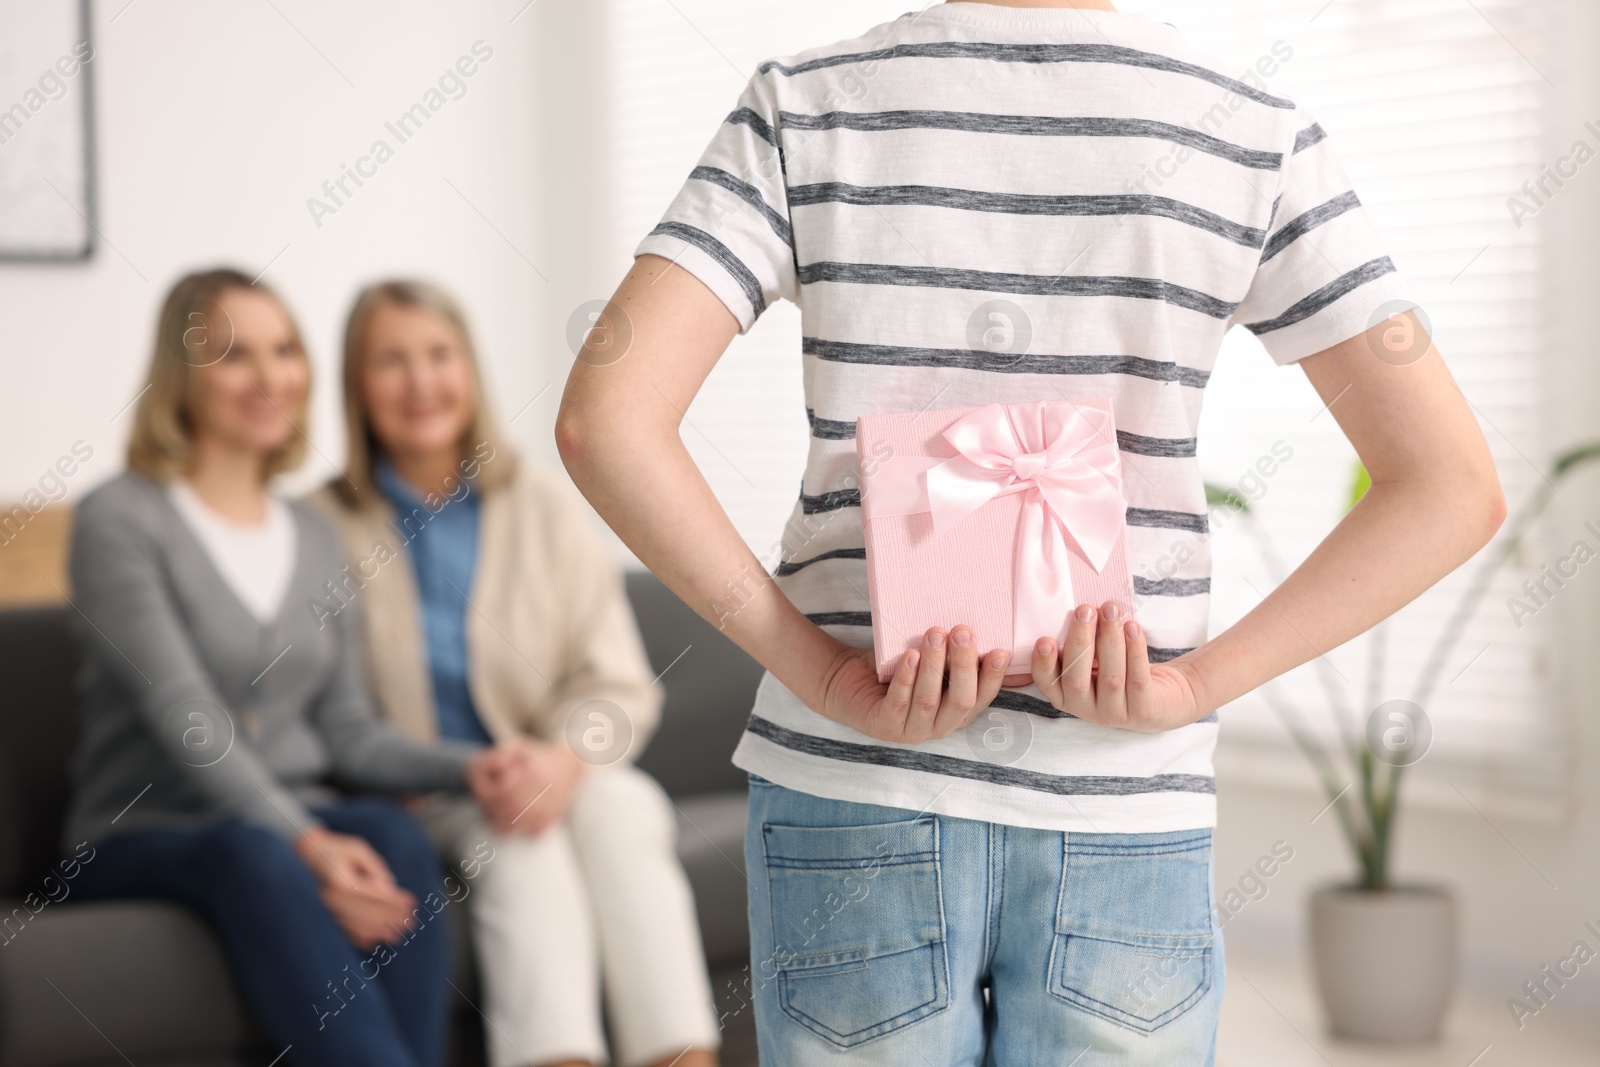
(1055, 924)
(1117, 1015)
(885, 1026)
(997, 871)
(1173, 848)
(944, 927)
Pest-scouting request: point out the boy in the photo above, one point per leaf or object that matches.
(1061, 166)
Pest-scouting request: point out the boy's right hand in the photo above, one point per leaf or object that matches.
(919, 703)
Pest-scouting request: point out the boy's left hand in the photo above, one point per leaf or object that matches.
(1103, 674)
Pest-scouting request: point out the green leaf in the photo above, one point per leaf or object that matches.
(1359, 484)
(1576, 457)
(1220, 496)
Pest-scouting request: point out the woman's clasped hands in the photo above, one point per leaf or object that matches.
(525, 785)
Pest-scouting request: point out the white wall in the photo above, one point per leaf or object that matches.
(215, 124)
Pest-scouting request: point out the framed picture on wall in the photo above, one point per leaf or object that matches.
(47, 203)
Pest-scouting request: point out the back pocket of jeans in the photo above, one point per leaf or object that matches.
(858, 917)
(1133, 939)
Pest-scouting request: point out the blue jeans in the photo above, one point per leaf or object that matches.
(301, 979)
(882, 936)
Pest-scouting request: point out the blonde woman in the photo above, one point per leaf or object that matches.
(221, 713)
(492, 613)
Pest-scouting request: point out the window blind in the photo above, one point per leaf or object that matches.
(1436, 109)
(1434, 106)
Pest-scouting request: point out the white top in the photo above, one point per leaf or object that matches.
(976, 204)
(256, 559)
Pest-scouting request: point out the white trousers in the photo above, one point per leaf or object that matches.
(598, 905)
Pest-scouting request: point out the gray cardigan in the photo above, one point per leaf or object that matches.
(191, 709)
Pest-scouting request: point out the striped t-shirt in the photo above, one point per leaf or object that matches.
(976, 203)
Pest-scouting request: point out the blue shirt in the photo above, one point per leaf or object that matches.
(443, 547)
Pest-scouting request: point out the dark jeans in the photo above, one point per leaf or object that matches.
(302, 980)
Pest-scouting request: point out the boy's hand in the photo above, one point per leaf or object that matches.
(1103, 674)
(917, 704)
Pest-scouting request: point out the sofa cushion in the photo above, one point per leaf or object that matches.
(711, 846)
(84, 982)
(152, 978)
(710, 684)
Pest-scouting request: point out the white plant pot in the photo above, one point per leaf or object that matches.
(1385, 962)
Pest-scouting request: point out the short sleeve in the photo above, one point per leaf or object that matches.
(729, 225)
(1324, 276)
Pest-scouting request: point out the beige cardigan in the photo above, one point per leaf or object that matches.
(548, 622)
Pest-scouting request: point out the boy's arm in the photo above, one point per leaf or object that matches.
(1435, 500)
(618, 434)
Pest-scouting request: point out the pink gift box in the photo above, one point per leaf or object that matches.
(1003, 518)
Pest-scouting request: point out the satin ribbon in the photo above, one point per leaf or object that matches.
(1062, 456)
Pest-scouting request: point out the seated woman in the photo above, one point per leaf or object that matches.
(494, 614)
(222, 702)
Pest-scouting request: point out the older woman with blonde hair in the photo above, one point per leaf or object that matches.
(493, 614)
(225, 720)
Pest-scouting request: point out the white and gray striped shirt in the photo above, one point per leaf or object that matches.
(976, 203)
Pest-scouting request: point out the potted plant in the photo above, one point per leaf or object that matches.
(1384, 953)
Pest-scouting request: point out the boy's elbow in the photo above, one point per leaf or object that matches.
(1491, 506)
(590, 442)
(1496, 508)
(572, 439)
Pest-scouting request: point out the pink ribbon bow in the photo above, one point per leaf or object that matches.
(1065, 459)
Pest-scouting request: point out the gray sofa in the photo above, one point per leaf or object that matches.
(95, 985)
